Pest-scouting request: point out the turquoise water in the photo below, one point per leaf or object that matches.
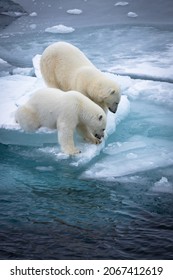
(48, 212)
(114, 204)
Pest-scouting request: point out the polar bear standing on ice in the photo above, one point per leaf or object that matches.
(64, 111)
(65, 67)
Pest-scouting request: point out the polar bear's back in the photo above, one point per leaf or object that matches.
(59, 62)
(51, 99)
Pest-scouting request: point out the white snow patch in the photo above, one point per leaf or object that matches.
(33, 14)
(36, 64)
(3, 61)
(157, 92)
(74, 11)
(132, 14)
(142, 69)
(121, 4)
(163, 185)
(59, 29)
(22, 71)
(15, 90)
(13, 14)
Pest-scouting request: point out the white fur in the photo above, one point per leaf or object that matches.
(65, 67)
(64, 111)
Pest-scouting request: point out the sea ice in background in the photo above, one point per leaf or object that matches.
(36, 64)
(121, 4)
(34, 14)
(23, 71)
(60, 29)
(163, 185)
(3, 62)
(74, 12)
(33, 26)
(132, 14)
(5, 67)
(13, 14)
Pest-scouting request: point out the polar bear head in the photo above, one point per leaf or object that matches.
(103, 91)
(112, 100)
(101, 126)
(109, 94)
(97, 124)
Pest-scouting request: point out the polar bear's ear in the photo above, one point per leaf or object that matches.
(100, 117)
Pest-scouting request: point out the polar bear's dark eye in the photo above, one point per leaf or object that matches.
(100, 117)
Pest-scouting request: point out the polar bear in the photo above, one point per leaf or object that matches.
(64, 111)
(65, 67)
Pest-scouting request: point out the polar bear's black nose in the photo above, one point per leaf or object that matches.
(113, 110)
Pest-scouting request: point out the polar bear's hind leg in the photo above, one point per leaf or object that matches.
(27, 118)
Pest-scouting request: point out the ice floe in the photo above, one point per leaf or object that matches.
(13, 14)
(33, 14)
(163, 185)
(121, 4)
(137, 154)
(33, 26)
(60, 29)
(132, 14)
(28, 71)
(74, 11)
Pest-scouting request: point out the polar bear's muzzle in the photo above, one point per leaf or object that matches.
(113, 108)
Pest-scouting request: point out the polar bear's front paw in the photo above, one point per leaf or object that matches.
(74, 152)
(93, 140)
(97, 141)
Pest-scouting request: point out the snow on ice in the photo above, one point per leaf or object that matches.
(33, 14)
(132, 14)
(121, 4)
(74, 11)
(163, 185)
(60, 29)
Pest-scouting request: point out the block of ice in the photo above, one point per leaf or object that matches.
(132, 14)
(163, 185)
(60, 29)
(15, 90)
(74, 11)
(33, 14)
(36, 64)
(23, 71)
(148, 153)
(121, 4)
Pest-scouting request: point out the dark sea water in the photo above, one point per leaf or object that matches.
(52, 214)
(119, 203)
